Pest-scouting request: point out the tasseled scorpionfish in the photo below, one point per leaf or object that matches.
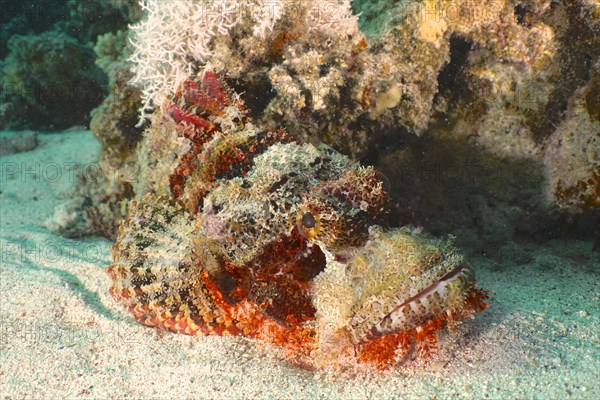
(267, 238)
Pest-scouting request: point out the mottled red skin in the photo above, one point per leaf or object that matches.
(190, 107)
(241, 308)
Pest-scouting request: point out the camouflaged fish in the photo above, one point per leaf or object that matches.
(268, 238)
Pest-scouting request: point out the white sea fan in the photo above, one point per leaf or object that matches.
(175, 38)
(170, 43)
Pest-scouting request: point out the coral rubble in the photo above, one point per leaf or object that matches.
(17, 142)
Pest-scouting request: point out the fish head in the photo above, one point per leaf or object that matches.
(393, 285)
(363, 281)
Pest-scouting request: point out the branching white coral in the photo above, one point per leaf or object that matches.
(171, 41)
(176, 37)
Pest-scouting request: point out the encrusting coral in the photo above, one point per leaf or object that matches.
(572, 157)
(260, 236)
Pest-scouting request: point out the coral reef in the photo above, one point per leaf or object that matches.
(308, 58)
(519, 76)
(513, 70)
(263, 237)
(49, 79)
(99, 202)
(87, 20)
(23, 17)
(405, 83)
(114, 124)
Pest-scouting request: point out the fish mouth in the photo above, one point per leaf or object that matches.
(444, 294)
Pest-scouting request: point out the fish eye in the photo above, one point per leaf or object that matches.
(308, 223)
(308, 220)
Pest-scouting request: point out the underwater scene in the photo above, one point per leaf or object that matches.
(332, 199)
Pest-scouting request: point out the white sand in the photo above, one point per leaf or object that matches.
(62, 336)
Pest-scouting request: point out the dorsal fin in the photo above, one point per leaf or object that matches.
(198, 107)
(223, 141)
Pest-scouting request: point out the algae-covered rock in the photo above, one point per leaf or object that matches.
(17, 142)
(114, 124)
(572, 156)
(49, 80)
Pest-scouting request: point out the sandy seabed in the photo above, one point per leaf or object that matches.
(63, 336)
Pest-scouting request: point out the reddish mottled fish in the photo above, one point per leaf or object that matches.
(268, 238)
